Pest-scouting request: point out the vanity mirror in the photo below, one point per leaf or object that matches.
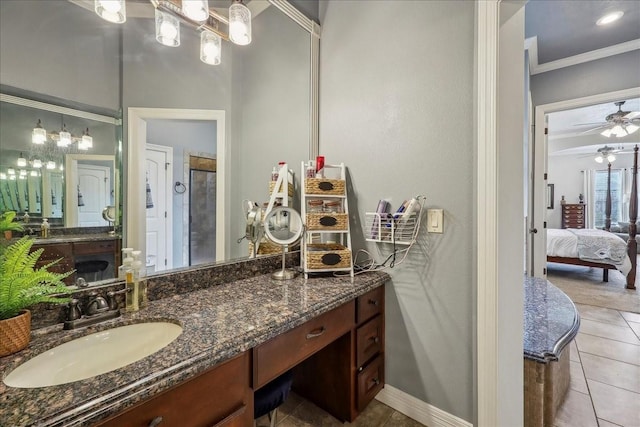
(180, 116)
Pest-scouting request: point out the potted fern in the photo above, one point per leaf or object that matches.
(22, 284)
(7, 225)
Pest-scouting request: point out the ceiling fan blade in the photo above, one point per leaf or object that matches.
(593, 129)
(592, 123)
(632, 115)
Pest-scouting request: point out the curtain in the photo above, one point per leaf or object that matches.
(588, 177)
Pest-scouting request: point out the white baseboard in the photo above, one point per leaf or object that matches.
(418, 410)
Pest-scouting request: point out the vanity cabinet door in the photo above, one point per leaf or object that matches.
(62, 252)
(220, 397)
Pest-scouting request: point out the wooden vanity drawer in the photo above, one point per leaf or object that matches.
(281, 353)
(369, 304)
(54, 251)
(219, 397)
(369, 340)
(96, 247)
(370, 381)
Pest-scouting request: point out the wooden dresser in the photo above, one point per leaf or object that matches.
(573, 215)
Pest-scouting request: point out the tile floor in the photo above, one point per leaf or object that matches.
(605, 371)
(604, 390)
(298, 412)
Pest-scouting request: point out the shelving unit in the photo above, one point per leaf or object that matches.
(327, 238)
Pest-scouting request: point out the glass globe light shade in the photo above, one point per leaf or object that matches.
(197, 10)
(239, 24)
(167, 29)
(51, 164)
(599, 158)
(39, 135)
(37, 163)
(111, 10)
(631, 128)
(210, 48)
(611, 158)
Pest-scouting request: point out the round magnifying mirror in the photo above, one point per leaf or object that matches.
(283, 226)
(109, 214)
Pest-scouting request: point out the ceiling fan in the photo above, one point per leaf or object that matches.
(607, 153)
(620, 124)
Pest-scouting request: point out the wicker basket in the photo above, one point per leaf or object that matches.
(266, 248)
(272, 185)
(334, 187)
(15, 333)
(328, 221)
(324, 256)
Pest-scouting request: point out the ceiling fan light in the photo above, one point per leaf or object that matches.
(239, 23)
(111, 10)
(611, 158)
(197, 10)
(618, 131)
(610, 17)
(606, 132)
(22, 162)
(599, 158)
(631, 128)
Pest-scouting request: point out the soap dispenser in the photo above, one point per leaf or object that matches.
(138, 279)
(126, 262)
(44, 228)
(132, 289)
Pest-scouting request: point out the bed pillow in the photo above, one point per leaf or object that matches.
(624, 226)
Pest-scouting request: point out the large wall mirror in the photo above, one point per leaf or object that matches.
(197, 139)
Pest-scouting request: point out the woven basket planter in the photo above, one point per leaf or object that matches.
(322, 256)
(320, 186)
(328, 221)
(15, 333)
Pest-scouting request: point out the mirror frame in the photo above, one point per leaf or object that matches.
(134, 234)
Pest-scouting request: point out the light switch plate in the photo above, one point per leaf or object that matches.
(435, 220)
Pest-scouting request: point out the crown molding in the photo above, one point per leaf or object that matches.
(531, 44)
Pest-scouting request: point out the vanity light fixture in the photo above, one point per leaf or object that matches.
(197, 10)
(23, 172)
(167, 29)
(34, 173)
(51, 164)
(111, 10)
(11, 171)
(22, 162)
(64, 137)
(239, 23)
(39, 134)
(210, 47)
(3, 175)
(610, 17)
(37, 163)
(86, 140)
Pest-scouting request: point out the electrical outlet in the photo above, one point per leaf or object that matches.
(435, 220)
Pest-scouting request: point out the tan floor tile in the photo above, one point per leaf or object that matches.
(576, 410)
(578, 382)
(573, 355)
(400, 420)
(309, 415)
(603, 423)
(631, 317)
(600, 314)
(611, 349)
(611, 372)
(375, 414)
(606, 330)
(615, 404)
(636, 328)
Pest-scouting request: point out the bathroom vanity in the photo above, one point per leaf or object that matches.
(70, 249)
(236, 337)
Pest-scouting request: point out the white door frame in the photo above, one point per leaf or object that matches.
(135, 219)
(541, 157)
(71, 169)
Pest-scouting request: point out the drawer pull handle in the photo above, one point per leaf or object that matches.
(374, 382)
(156, 421)
(374, 339)
(373, 301)
(314, 334)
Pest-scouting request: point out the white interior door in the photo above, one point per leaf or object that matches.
(538, 218)
(158, 178)
(94, 184)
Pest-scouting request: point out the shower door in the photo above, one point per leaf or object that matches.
(202, 217)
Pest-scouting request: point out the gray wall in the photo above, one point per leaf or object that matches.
(184, 136)
(591, 78)
(396, 106)
(83, 63)
(270, 111)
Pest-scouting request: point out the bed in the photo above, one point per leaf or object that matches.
(600, 248)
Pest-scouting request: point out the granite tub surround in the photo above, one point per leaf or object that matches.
(218, 322)
(551, 320)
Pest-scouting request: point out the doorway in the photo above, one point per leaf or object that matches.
(202, 210)
(159, 236)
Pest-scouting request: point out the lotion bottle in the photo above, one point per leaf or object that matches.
(132, 291)
(126, 262)
(44, 228)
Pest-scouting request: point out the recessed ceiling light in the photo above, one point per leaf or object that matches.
(609, 18)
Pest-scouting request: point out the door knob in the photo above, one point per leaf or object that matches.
(533, 230)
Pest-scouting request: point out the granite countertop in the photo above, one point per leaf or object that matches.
(551, 320)
(218, 322)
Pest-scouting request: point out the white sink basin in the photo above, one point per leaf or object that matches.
(94, 354)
